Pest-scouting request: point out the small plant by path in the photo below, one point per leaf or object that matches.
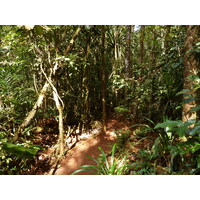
(104, 166)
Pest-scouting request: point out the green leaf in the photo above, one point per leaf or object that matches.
(195, 108)
(198, 161)
(181, 131)
(149, 120)
(19, 150)
(189, 100)
(194, 78)
(195, 130)
(145, 125)
(39, 30)
(104, 157)
(83, 170)
(176, 65)
(189, 122)
(113, 154)
(169, 124)
(182, 92)
(195, 148)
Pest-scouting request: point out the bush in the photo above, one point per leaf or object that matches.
(122, 139)
(16, 158)
(184, 155)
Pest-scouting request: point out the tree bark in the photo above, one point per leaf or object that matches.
(142, 32)
(128, 63)
(72, 41)
(128, 52)
(167, 39)
(61, 128)
(85, 86)
(32, 113)
(153, 61)
(1, 104)
(190, 68)
(103, 80)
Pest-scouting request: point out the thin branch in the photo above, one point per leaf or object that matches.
(51, 84)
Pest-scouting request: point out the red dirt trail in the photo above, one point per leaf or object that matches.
(76, 157)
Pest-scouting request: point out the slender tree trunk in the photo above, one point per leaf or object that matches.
(142, 32)
(32, 113)
(153, 56)
(116, 62)
(190, 68)
(128, 52)
(127, 67)
(167, 38)
(103, 79)
(85, 83)
(39, 102)
(154, 48)
(60, 125)
(72, 41)
(1, 104)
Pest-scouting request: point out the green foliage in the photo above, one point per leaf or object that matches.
(148, 89)
(105, 166)
(122, 110)
(141, 132)
(143, 165)
(19, 150)
(196, 108)
(122, 139)
(17, 158)
(142, 129)
(179, 128)
(183, 155)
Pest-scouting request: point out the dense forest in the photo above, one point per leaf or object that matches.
(132, 89)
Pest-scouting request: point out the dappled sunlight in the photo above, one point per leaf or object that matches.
(77, 156)
(72, 91)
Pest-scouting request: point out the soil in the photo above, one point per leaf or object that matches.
(77, 156)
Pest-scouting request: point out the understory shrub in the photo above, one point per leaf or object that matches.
(16, 158)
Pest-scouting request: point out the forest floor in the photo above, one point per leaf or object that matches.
(77, 156)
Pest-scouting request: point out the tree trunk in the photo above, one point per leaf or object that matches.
(72, 41)
(127, 67)
(103, 80)
(39, 102)
(190, 68)
(1, 104)
(153, 56)
(142, 32)
(128, 52)
(32, 113)
(167, 39)
(60, 125)
(85, 85)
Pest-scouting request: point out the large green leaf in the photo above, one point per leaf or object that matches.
(195, 109)
(195, 130)
(182, 92)
(19, 150)
(194, 78)
(169, 124)
(188, 100)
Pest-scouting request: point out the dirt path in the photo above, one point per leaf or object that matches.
(76, 157)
